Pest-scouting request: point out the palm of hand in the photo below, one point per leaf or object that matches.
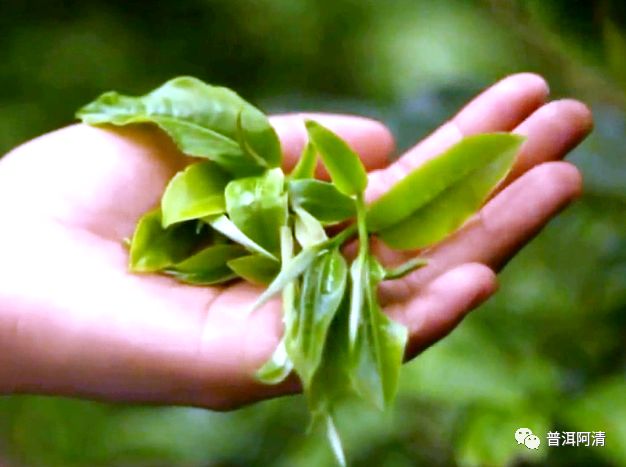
(83, 325)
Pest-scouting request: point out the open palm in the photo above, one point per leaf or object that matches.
(74, 321)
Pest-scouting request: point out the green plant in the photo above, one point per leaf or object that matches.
(236, 214)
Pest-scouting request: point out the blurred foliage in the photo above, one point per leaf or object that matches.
(546, 353)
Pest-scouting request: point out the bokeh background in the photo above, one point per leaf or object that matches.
(548, 353)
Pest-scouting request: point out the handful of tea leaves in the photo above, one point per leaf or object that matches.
(235, 214)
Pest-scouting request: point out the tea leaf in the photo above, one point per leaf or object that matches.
(305, 168)
(201, 119)
(280, 365)
(258, 207)
(291, 271)
(358, 284)
(227, 228)
(290, 289)
(331, 382)
(153, 248)
(277, 368)
(322, 200)
(335, 441)
(256, 269)
(197, 191)
(358, 272)
(208, 266)
(245, 144)
(378, 358)
(308, 230)
(343, 164)
(321, 293)
(379, 351)
(435, 199)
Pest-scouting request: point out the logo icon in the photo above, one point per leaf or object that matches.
(521, 434)
(526, 437)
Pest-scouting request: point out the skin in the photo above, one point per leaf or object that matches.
(74, 322)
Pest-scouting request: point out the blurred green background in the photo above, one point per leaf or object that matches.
(548, 352)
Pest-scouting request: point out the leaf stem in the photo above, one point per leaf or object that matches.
(288, 294)
(362, 225)
(405, 268)
(342, 236)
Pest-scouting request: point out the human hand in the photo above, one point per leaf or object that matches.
(75, 322)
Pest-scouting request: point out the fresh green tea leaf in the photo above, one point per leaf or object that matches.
(201, 119)
(226, 227)
(242, 138)
(335, 441)
(277, 368)
(287, 250)
(435, 199)
(153, 248)
(359, 272)
(208, 266)
(378, 359)
(379, 351)
(256, 269)
(322, 200)
(305, 168)
(448, 212)
(258, 207)
(331, 383)
(343, 164)
(291, 271)
(193, 193)
(321, 292)
(358, 277)
(280, 365)
(308, 229)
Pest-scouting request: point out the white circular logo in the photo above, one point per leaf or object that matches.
(532, 442)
